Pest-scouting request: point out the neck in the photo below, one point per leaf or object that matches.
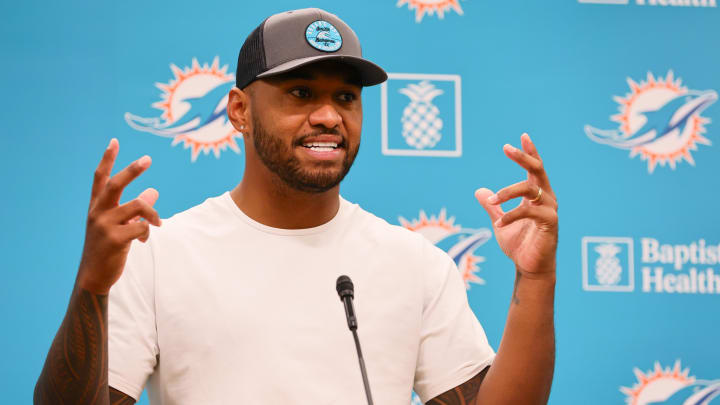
(269, 201)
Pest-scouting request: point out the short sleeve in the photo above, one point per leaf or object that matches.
(453, 345)
(132, 334)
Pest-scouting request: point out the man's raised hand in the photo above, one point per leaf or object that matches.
(528, 234)
(111, 227)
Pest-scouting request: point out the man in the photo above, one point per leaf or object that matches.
(232, 301)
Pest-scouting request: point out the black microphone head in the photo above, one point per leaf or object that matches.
(344, 287)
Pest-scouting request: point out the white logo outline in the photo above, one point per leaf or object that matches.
(386, 150)
(630, 287)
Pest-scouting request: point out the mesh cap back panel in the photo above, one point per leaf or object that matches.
(251, 60)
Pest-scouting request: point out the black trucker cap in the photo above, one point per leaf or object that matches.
(292, 39)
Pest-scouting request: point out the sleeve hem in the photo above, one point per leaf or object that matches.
(122, 385)
(450, 383)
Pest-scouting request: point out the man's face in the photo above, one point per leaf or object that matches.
(306, 124)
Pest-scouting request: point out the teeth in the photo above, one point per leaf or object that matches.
(332, 145)
(321, 149)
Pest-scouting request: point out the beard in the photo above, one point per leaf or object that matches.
(281, 160)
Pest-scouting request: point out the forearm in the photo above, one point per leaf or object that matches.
(523, 368)
(76, 368)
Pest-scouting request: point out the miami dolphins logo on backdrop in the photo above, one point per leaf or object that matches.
(671, 386)
(431, 7)
(659, 120)
(193, 107)
(460, 243)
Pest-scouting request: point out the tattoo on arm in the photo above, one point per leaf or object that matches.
(464, 394)
(76, 368)
(119, 398)
(515, 298)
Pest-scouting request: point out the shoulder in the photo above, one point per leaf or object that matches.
(201, 219)
(397, 238)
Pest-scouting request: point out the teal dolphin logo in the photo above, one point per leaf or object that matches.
(660, 120)
(203, 111)
(698, 393)
(668, 119)
(461, 244)
(671, 386)
(193, 106)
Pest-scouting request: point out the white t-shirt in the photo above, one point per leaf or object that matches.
(217, 308)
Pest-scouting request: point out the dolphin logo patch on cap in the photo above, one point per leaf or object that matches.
(323, 36)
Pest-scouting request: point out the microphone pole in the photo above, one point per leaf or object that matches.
(345, 290)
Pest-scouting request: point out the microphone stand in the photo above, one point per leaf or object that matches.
(345, 290)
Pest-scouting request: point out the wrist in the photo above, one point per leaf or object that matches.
(547, 275)
(87, 283)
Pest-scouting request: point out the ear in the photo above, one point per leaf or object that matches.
(238, 110)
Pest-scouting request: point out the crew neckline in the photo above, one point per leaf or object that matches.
(342, 210)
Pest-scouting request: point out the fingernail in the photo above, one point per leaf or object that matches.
(509, 147)
(493, 199)
(111, 143)
(144, 161)
(498, 223)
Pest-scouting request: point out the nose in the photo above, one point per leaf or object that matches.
(326, 115)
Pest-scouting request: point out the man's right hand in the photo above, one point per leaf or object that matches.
(111, 227)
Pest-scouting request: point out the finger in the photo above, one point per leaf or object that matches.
(494, 211)
(110, 195)
(532, 164)
(135, 230)
(528, 146)
(543, 215)
(150, 196)
(102, 172)
(521, 189)
(135, 208)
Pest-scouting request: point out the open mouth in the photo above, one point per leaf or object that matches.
(321, 146)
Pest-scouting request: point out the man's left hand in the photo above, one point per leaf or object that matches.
(528, 234)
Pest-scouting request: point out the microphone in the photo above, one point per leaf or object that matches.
(345, 289)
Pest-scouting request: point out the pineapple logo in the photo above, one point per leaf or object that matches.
(607, 264)
(420, 119)
(426, 112)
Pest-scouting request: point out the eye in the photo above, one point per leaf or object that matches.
(301, 92)
(347, 96)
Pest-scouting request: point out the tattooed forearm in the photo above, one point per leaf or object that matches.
(118, 398)
(76, 368)
(464, 394)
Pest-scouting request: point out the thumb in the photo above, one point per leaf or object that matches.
(494, 211)
(150, 196)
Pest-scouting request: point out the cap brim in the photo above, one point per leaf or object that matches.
(370, 73)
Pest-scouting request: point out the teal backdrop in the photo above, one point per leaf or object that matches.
(620, 99)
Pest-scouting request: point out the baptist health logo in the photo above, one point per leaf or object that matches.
(421, 115)
(659, 119)
(670, 386)
(192, 106)
(608, 265)
(674, 3)
(460, 243)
